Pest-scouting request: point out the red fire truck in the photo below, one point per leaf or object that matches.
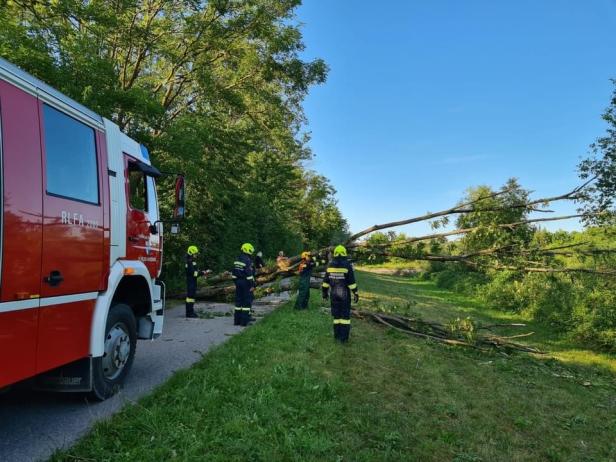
(81, 242)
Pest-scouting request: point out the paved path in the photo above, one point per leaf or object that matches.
(33, 425)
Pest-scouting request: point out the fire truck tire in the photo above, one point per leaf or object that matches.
(110, 370)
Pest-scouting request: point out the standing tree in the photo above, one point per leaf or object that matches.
(214, 89)
(600, 195)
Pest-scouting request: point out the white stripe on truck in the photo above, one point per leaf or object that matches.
(18, 305)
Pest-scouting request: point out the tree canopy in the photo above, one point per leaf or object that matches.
(601, 165)
(214, 89)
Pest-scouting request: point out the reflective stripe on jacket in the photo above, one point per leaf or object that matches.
(339, 275)
(191, 267)
(243, 268)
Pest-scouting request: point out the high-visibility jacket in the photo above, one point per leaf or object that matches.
(243, 269)
(192, 272)
(339, 280)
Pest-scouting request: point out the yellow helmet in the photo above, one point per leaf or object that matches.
(306, 254)
(340, 251)
(192, 250)
(248, 248)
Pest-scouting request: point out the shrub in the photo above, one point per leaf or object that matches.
(460, 280)
(548, 298)
(544, 297)
(424, 276)
(595, 317)
(504, 292)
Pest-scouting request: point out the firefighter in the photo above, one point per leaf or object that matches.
(259, 263)
(305, 272)
(192, 273)
(338, 283)
(244, 277)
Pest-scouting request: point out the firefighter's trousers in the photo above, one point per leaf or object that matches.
(303, 294)
(341, 311)
(243, 302)
(191, 292)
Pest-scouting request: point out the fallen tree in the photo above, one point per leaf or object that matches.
(471, 206)
(508, 257)
(522, 266)
(276, 283)
(461, 231)
(463, 333)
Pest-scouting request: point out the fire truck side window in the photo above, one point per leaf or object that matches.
(70, 157)
(152, 205)
(138, 194)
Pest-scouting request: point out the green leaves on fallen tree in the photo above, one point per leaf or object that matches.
(490, 213)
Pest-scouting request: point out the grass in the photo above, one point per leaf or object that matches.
(396, 264)
(283, 390)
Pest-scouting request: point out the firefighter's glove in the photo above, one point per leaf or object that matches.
(355, 296)
(325, 294)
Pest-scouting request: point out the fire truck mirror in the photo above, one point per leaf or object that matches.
(175, 228)
(179, 210)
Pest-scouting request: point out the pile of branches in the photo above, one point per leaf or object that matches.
(462, 332)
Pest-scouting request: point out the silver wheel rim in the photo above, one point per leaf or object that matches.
(117, 351)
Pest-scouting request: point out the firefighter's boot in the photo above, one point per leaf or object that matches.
(237, 313)
(244, 317)
(345, 330)
(190, 308)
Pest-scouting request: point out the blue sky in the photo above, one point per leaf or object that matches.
(426, 98)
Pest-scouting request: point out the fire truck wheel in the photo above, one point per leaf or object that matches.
(110, 370)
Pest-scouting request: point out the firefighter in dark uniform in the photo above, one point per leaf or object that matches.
(338, 284)
(305, 272)
(244, 277)
(192, 273)
(259, 263)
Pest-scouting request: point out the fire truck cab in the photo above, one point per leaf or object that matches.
(80, 242)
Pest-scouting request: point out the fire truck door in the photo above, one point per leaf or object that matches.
(20, 274)
(72, 263)
(142, 244)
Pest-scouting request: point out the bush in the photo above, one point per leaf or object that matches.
(459, 280)
(504, 292)
(424, 276)
(544, 297)
(595, 317)
(548, 298)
